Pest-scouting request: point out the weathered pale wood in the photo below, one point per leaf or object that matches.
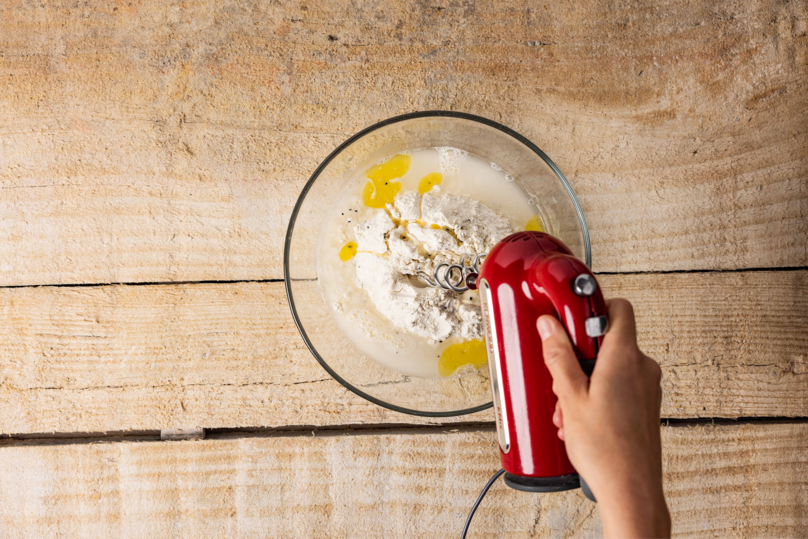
(86, 359)
(730, 345)
(167, 141)
(721, 481)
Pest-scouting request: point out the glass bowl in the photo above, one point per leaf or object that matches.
(531, 169)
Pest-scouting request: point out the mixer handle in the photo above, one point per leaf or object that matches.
(578, 300)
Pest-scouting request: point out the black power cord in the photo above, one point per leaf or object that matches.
(479, 499)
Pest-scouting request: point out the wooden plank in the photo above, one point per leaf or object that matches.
(730, 345)
(87, 359)
(167, 141)
(721, 481)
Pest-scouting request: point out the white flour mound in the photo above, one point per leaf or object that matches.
(475, 224)
(409, 205)
(370, 234)
(390, 254)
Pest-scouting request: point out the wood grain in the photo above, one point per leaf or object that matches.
(168, 141)
(113, 358)
(151, 142)
(721, 481)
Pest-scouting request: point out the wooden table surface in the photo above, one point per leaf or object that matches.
(150, 156)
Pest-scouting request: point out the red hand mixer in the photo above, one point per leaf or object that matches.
(527, 275)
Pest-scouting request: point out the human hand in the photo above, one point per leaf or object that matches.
(610, 423)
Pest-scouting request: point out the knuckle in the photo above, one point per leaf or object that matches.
(567, 388)
(553, 354)
(561, 389)
(635, 359)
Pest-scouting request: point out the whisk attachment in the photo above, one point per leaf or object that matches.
(455, 277)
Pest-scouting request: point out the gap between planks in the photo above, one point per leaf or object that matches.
(246, 281)
(314, 431)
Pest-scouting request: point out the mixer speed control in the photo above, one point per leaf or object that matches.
(596, 326)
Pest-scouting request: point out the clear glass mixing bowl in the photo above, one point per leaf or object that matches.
(532, 170)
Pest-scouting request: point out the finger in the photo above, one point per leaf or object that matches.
(569, 380)
(658, 400)
(622, 328)
(656, 380)
(558, 417)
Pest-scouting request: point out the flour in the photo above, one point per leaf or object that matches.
(427, 312)
(390, 256)
(370, 234)
(409, 206)
(475, 224)
(393, 211)
(433, 240)
(403, 253)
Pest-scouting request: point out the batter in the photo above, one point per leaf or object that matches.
(405, 215)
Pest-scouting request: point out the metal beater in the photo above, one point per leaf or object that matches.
(466, 274)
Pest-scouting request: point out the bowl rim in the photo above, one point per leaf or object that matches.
(306, 188)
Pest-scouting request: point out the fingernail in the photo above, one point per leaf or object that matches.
(545, 328)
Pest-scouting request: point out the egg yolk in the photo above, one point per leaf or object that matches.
(348, 251)
(458, 355)
(429, 181)
(382, 189)
(535, 223)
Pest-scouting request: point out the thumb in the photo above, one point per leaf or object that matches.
(569, 381)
